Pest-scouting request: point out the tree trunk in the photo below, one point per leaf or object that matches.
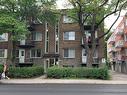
(92, 45)
(89, 57)
(13, 52)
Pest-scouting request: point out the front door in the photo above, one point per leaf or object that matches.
(84, 57)
(21, 56)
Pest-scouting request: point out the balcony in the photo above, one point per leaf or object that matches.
(125, 44)
(26, 44)
(27, 62)
(111, 49)
(119, 44)
(121, 57)
(120, 32)
(111, 40)
(51, 55)
(88, 27)
(112, 59)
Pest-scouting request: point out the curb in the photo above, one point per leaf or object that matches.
(59, 81)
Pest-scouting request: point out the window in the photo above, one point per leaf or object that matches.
(47, 42)
(4, 37)
(69, 35)
(57, 38)
(96, 53)
(17, 53)
(36, 53)
(3, 53)
(96, 34)
(37, 36)
(125, 37)
(67, 19)
(57, 47)
(69, 53)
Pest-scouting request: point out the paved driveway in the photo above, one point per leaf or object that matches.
(118, 76)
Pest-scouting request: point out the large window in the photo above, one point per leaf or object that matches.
(57, 38)
(47, 42)
(17, 53)
(37, 36)
(69, 35)
(96, 53)
(4, 37)
(36, 53)
(69, 53)
(3, 53)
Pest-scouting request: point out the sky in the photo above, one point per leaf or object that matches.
(108, 21)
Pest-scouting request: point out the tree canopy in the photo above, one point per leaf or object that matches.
(93, 13)
(16, 15)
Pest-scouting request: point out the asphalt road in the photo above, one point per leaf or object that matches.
(63, 89)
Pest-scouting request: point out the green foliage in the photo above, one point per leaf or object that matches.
(1, 68)
(24, 72)
(10, 24)
(14, 15)
(92, 73)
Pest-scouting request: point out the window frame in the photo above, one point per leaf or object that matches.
(35, 36)
(5, 37)
(74, 51)
(5, 53)
(69, 36)
(35, 56)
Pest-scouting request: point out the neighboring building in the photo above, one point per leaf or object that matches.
(117, 47)
(48, 45)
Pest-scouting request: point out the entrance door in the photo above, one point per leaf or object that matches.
(21, 56)
(51, 62)
(84, 57)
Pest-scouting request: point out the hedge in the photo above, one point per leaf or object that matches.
(79, 72)
(24, 72)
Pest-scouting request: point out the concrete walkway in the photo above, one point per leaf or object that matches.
(117, 78)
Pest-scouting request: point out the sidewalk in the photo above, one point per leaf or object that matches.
(117, 78)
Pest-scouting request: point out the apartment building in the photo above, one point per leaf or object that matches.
(60, 44)
(117, 47)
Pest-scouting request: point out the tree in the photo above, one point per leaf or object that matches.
(17, 15)
(93, 13)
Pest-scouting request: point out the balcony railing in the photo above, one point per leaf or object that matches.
(119, 44)
(120, 32)
(121, 57)
(26, 61)
(111, 49)
(26, 44)
(111, 40)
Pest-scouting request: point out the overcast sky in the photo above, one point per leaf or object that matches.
(108, 21)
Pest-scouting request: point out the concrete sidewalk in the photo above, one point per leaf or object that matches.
(117, 78)
(61, 81)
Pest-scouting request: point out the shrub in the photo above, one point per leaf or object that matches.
(24, 72)
(1, 68)
(92, 73)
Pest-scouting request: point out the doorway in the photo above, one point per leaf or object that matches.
(21, 55)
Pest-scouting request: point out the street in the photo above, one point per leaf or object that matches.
(63, 89)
